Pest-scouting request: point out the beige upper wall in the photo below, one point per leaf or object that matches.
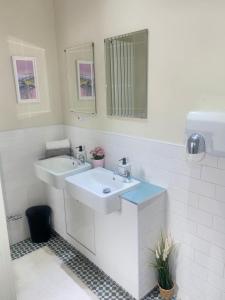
(186, 57)
(27, 28)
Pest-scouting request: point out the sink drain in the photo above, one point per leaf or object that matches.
(106, 190)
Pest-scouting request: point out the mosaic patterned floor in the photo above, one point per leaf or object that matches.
(97, 281)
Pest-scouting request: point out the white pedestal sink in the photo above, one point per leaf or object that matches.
(54, 170)
(99, 189)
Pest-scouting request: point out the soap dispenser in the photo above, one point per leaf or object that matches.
(81, 154)
(124, 169)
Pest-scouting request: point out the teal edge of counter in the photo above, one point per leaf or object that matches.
(143, 192)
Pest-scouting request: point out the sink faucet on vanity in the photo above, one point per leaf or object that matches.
(123, 169)
(79, 153)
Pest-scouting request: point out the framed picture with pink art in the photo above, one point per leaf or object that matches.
(26, 79)
(86, 80)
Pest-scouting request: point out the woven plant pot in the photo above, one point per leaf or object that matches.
(166, 294)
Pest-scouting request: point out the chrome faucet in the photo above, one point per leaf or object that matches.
(123, 169)
(81, 158)
(80, 154)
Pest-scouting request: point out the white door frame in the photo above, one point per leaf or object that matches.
(7, 288)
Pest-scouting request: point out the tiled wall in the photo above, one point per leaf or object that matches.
(195, 206)
(18, 151)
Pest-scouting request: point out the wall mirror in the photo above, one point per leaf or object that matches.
(80, 77)
(126, 61)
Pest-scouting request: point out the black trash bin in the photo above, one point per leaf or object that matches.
(39, 220)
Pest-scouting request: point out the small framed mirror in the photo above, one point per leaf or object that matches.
(126, 62)
(80, 78)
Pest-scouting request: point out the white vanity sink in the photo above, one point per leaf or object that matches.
(99, 189)
(54, 170)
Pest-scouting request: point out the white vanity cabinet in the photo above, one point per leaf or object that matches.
(119, 243)
(80, 223)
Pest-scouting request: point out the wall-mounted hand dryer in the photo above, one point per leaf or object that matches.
(205, 132)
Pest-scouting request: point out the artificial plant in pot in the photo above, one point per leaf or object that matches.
(161, 263)
(98, 157)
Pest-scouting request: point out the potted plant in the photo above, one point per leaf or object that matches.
(98, 157)
(161, 263)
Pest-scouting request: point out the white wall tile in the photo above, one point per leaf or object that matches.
(186, 251)
(220, 193)
(202, 188)
(184, 196)
(217, 281)
(18, 151)
(193, 185)
(213, 175)
(219, 224)
(180, 226)
(221, 163)
(216, 266)
(210, 161)
(222, 296)
(197, 242)
(212, 206)
(199, 216)
(217, 252)
(177, 207)
(211, 236)
(192, 269)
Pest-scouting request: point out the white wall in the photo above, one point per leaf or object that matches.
(27, 29)
(186, 58)
(7, 291)
(195, 204)
(19, 149)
